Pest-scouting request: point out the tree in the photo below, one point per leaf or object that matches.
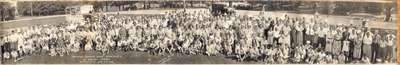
(6, 11)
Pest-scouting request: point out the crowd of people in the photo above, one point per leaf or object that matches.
(240, 37)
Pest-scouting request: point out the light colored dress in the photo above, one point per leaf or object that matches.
(358, 44)
(6, 55)
(357, 48)
(367, 46)
(345, 47)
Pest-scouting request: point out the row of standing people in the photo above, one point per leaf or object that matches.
(269, 39)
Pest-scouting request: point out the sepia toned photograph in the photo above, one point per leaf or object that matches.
(198, 32)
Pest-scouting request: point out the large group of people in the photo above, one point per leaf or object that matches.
(240, 37)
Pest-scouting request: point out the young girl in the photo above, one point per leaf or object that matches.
(358, 44)
(312, 56)
(321, 58)
(342, 58)
(52, 52)
(270, 55)
(298, 54)
(345, 48)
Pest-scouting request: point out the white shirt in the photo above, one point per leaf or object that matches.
(286, 29)
(320, 32)
(276, 33)
(353, 35)
(390, 39)
(368, 38)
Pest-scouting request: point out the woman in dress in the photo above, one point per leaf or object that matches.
(329, 41)
(357, 44)
(337, 42)
(299, 30)
(367, 41)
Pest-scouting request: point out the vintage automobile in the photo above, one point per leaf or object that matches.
(221, 9)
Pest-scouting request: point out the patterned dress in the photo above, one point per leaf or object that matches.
(329, 42)
(357, 48)
(337, 44)
(358, 44)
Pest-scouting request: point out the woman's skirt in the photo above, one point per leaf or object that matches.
(299, 37)
(367, 51)
(328, 47)
(357, 50)
(357, 53)
(337, 47)
(345, 47)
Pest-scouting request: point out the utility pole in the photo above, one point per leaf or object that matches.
(31, 3)
(184, 5)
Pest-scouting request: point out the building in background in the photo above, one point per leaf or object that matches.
(79, 9)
